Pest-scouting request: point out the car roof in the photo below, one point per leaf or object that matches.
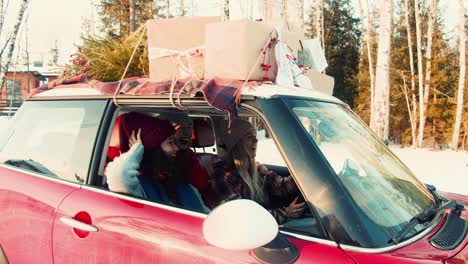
(264, 91)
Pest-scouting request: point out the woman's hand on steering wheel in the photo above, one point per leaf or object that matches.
(295, 209)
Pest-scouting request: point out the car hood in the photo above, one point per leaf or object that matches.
(453, 196)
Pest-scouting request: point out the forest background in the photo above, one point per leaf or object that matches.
(394, 62)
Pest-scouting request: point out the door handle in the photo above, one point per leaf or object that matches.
(78, 224)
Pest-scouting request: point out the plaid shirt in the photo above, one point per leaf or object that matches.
(227, 185)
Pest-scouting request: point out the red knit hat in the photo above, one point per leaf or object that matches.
(153, 130)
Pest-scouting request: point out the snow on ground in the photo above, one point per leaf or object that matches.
(447, 170)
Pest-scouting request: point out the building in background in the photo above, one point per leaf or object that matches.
(20, 81)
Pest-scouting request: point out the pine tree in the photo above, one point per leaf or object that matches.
(400, 79)
(342, 42)
(115, 15)
(105, 59)
(362, 102)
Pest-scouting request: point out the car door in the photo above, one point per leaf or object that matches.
(43, 157)
(122, 229)
(97, 226)
(28, 202)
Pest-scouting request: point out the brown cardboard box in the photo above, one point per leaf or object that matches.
(167, 38)
(289, 34)
(233, 49)
(321, 82)
(293, 38)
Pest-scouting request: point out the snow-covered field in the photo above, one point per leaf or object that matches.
(447, 170)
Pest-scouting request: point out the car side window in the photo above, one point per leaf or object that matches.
(269, 155)
(54, 138)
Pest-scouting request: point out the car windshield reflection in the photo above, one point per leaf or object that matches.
(384, 188)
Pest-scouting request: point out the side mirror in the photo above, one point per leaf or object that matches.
(239, 225)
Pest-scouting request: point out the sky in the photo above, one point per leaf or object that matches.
(50, 21)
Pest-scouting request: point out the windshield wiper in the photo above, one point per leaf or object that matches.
(426, 216)
(438, 199)
(30, 165)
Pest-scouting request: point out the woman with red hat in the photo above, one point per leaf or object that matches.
(240, 176)
(149, 166)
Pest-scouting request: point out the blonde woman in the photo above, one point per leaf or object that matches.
(238, 175)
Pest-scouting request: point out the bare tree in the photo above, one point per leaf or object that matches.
(423, 105)
(461, 80)
(382, 85)
(226, 9)
(168, 8)
(317, 21)
(1, 16)
(413, 82)
(132, 12)
(182, 7)
(420, 72)
(12, 42)
(300, 7)
(267, 9)
(366, 17)
(284, 12)
(322, 25)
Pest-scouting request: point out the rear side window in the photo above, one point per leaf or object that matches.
(54, 138)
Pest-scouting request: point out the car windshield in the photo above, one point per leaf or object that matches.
(384, 188)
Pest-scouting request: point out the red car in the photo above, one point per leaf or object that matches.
(364, 204)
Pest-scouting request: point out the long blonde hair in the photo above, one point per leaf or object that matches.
(247, 169)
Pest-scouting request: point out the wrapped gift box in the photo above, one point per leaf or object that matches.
(176, 47)
(312, 55)
(321, 82)
(234, 49)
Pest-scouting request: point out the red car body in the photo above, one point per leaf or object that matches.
(49, 220)
(134, 232)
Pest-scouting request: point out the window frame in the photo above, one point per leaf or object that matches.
(85, 165)
(249, 108)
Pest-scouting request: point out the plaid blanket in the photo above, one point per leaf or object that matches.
(222, 94)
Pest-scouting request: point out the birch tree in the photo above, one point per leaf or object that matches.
(413, 111)
(366, 17)
(168, 8)
(226, 10)
(382, 85)
(317, 22)
(2, 18)
(461, 80)
(322, 23)
(300, 7)
(284, 12)
(132, 12)
(423, 105)
(267, 9)
(182, 7)
(420, 72)
(12, 42)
